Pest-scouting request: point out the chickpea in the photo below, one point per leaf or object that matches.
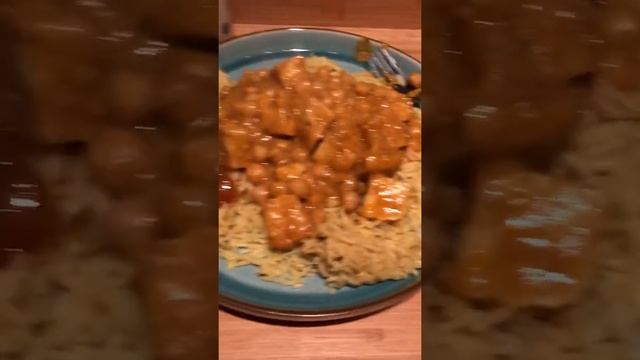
(131, 95)
(280, 151)
(344, 160)
(383, 162)
(120, 159)
(290, 171)
(277, 188)
(318, 215)
(337, 94)
(362, 107)
(186, 207)
(362, 88)
(321, 171)
(258, 173)
(334, 84)
(347, 79)
(243, 107)
(300, 154)
(184, 103)
(131, 224)
(350, 201)
(325, 188)
(199, 158)
(333, 202)
(318, 199)
(260, 153)
(379, 91)
(299, 187)
(282, 145)
(349, 183)
(396, 96)
(308, 178)
(247, 77)
(260, 194)
(323, 72)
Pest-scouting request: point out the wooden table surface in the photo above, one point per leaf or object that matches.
(393, 334)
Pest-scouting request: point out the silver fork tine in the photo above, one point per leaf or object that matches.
(393, 66)
(376, 65)
(390, 60)
(385, 65)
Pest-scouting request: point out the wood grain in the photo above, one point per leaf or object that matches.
(393, 334)
(402, 14)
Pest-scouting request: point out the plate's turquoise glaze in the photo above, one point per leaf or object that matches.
(241, 288)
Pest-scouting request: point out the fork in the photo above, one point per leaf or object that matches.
(383, 65)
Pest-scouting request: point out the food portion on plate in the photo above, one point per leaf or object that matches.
(106, 199)
(319, 173)
(532, 200)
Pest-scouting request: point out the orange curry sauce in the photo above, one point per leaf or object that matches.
(307, 140)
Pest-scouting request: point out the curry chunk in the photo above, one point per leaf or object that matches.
(386, 199)
(292, 73)
(520, 125)
(382, 161)
(275, 118)
(529, 242)
(237, 141)
(317, 117)
(343, 147)
(287, 222)
(178, 289)
(309, 137)
(122, 161)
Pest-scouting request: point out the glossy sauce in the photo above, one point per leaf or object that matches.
(530, 240)
(503, 75)
(100, 74)
(307, 140)
(227, 192)
(180, 291)
(511, 83)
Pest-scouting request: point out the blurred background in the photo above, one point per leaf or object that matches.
(398, 24)
(107, 134)
(394, 334)
(533, 139)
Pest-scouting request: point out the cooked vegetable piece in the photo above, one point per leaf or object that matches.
(121, 160)
(287, 222)
(311, 136)
(530, 240)
(386, 199)
(179, 289)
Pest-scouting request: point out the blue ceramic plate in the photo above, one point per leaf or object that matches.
(240, 289)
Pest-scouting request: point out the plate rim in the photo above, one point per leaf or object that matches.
(323, 315)
(365, 309)
(303, 28)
